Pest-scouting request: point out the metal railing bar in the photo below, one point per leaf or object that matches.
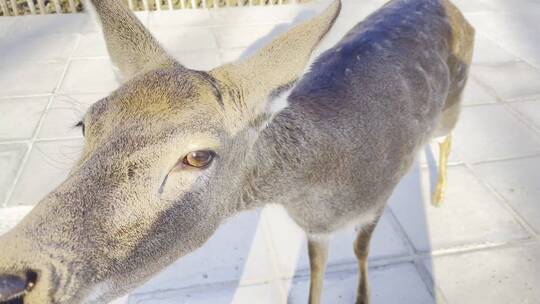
(57, 6)
(146, 6)
(14, 7)
(72, 7)
(5, 8)
(42, 8)
(31, 6)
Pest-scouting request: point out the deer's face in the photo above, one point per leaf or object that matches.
(164, 162)
(152, 184)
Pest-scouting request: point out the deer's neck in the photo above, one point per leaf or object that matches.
(275, 163)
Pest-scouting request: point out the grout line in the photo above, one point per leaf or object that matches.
(505, 203)
(400, 230)
(38, 127)
(428, 280)
(348, 268)
(267, 231)
(39, 139)
(14, 141)
(25, 96)
(522, 119)
(502, 159)
(493, 39)
(51, 139)
(393, 260)
(486, 87)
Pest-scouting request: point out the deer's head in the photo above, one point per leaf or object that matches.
(163, 160)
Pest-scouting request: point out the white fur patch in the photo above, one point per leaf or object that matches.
(94, 296)
(278, 104)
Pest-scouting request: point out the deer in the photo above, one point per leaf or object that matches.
(173, 152)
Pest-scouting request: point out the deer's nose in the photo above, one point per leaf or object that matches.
(14, 287)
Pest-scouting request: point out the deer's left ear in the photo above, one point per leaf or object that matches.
(132, 48)
(276, 67)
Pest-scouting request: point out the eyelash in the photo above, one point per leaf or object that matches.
(81, 125)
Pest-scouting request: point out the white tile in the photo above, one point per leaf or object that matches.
(231, 55)
(506, 275)
(529, 109)
(254, 36)
(91, 45)
(51, 24)
(262, 14)
(64, 112)
(396, 284)
(143, 17)
(469, 216)
(25, 78)
(514, 31)
(473, 6)
(290, 243)
(9, 217)
(179, 19)
(352, 12)
(92, 25)
(488, 51)
(516, 6)
(199, 60)
(186, 39)
(517, 181)
(270, 293)
(38, 46)
(475, 94)
(11, 156)
(6, 22)
(238, 251)
(90, 76)
(524, 82)
(48, 165)
(19, 117)
(492, 132)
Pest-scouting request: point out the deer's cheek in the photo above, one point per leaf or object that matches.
(178, 183)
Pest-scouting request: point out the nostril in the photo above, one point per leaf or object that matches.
(31, 279)
(11, 287)
(14, 287)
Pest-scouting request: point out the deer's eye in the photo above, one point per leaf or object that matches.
(199, 159)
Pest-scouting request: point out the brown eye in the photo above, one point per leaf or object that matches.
(199, 159)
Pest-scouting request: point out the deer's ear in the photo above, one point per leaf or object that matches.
(132, 48)
(276, 67)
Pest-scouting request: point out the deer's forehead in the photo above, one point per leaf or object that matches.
(159, 101)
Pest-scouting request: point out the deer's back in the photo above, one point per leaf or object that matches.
(357, 118)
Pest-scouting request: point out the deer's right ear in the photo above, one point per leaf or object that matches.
(275, 68)
(132, 48)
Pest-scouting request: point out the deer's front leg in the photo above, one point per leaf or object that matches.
(361, 250)
(444, 151)
(318, 254)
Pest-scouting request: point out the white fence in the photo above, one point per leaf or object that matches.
(33, 7)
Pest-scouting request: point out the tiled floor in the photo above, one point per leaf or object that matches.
(482, 246)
